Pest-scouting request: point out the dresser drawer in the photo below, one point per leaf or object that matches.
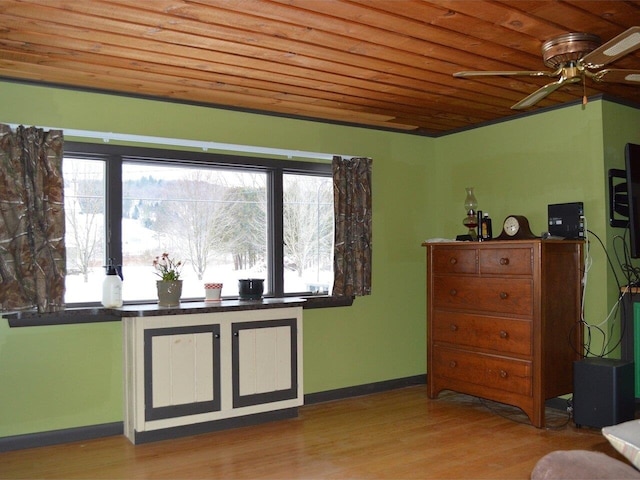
(499, 373)
(494, 333)
(506, 261)
(494, 295)
(454, 260)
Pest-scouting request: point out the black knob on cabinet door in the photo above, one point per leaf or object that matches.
(504, 334)
(504, 261)
(503, 374)
(453, 327)
(453, 260)
(504, 295)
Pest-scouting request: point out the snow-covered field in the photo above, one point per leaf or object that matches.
(140, 280)
(140, 283)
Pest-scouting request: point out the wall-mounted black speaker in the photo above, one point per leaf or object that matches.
(603, 392)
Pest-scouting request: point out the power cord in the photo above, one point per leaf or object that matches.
(607, 347)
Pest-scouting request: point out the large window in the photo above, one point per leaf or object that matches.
(226, 217)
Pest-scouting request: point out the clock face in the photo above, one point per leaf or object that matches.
(511, 226)
(516, 227)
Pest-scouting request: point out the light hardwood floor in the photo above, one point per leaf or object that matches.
(396, 434)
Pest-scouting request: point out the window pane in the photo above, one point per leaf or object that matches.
(308, 233)
(84, 204)
(214, 220)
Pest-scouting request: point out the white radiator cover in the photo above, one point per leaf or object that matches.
(171, 380)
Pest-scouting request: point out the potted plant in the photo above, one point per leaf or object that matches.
(169, 286)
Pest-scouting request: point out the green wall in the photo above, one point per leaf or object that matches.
(380, 337)
(620, 127)
(67, 376)
(59, 377)
(521, 166)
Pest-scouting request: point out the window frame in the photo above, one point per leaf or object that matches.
(115, 155)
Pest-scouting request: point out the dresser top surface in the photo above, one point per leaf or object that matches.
(500, 243)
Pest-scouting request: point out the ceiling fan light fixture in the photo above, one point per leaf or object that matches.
(633, 77)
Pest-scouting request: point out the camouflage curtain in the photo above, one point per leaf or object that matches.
(32, 251)
(352, 203)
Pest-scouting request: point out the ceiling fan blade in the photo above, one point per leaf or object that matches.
(541, 93)
(626, 42)
(617, 76)
(506, 74)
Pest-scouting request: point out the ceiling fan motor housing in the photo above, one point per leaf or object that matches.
(568, 48)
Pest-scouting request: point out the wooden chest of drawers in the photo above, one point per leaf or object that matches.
(503, 320)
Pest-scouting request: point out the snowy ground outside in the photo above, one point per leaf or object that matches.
(140, 283)
(140, 280)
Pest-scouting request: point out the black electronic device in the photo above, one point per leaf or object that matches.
(464, 238)
(624, 197)
(566, 220)
(603, 392)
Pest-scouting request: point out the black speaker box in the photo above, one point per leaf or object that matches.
(603, 392)
(566, 220)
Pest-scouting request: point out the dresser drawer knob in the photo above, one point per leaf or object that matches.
(453, 327)
(504, 334)
(453, 260)
(453, 364)
(504, 261)
(453, 292)
(504, 295)
(503, 374)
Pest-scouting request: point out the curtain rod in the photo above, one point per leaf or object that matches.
(227, 147)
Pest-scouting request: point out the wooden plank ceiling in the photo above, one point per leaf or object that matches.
(377, 63)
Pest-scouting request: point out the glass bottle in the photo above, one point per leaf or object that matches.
(471, 206)
(470, 202)
(487, 231)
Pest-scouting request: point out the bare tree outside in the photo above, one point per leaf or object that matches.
(308, 223)
(84, 211)
(202, 215)
(192, 221)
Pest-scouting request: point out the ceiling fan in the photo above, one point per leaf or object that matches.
(576, 56)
